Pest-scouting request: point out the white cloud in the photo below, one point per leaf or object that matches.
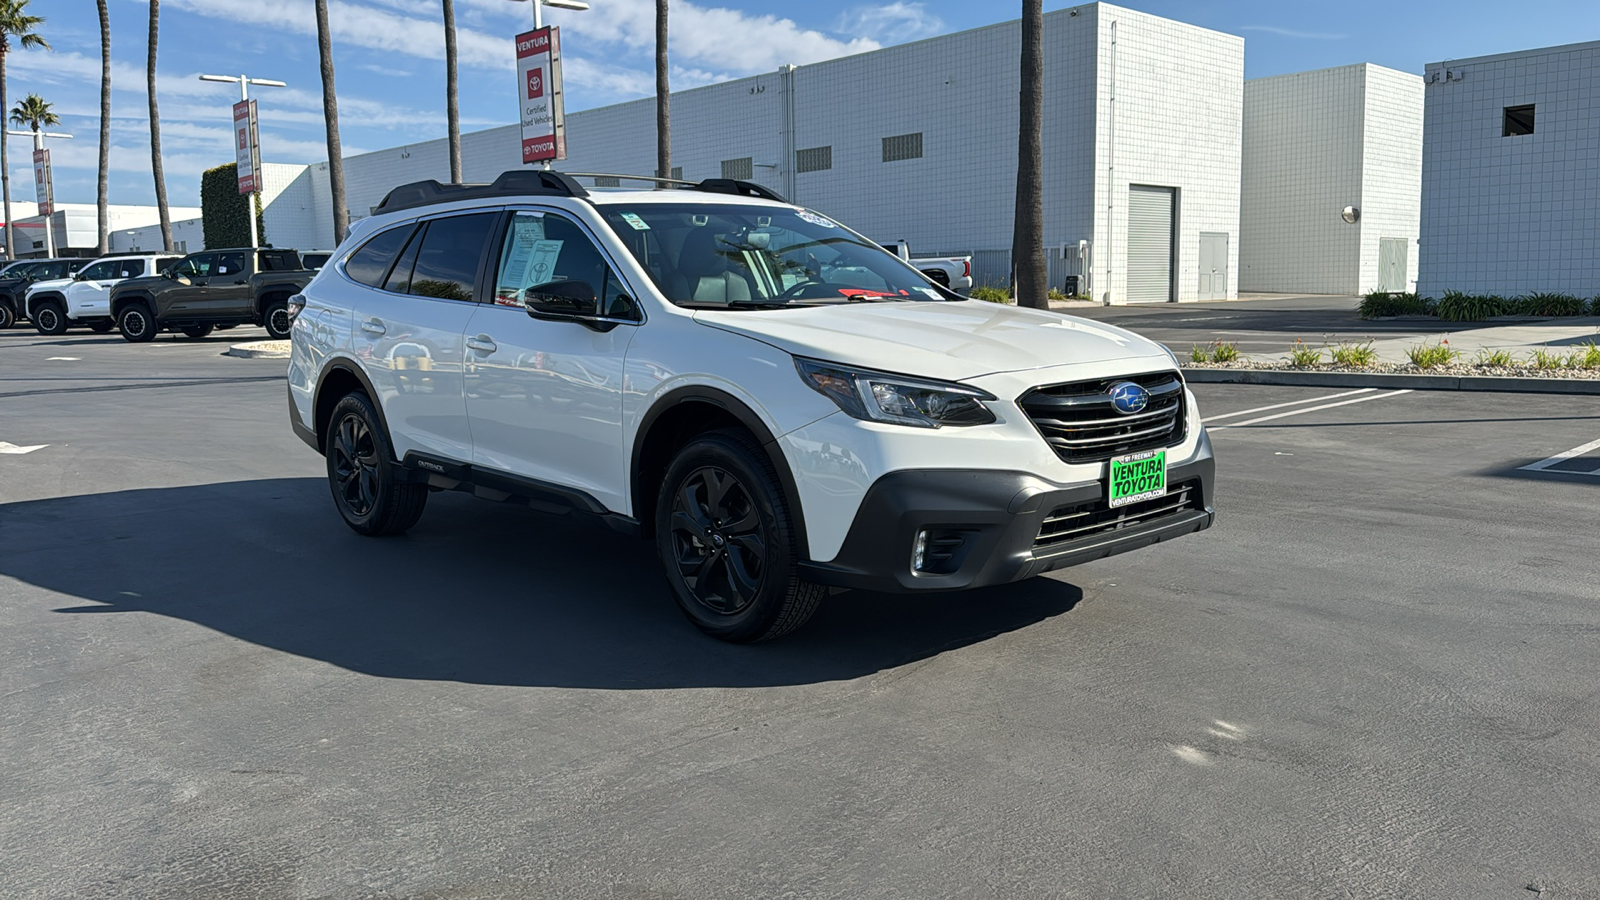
(892, 23)
(1289, 32)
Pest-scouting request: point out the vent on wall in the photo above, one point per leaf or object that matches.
(815, 159)
(742, 168)
(902, 146)
(1517, 120)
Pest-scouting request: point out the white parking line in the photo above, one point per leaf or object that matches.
(1563, 457)
(6, 447)
(1246, 412)
(1296, 412)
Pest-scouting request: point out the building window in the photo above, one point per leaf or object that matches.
(181, 246)
(1518, 120)
(607, 181)
(743, 168)
(815, 159)
(902, 146)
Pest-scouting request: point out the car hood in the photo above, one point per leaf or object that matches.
(949, 340)
(52, 284)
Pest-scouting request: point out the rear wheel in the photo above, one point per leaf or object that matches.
(8, 316)
(726, 540)
(50, 318)
(136, 323)
(103, 326)
(362, 475)
(196, 331)
(276, 320)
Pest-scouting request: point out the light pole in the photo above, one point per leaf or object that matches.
(538, 18)
(244, 82)
(49, 220)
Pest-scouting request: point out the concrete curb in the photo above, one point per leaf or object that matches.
(1377, 380)
(260, 350)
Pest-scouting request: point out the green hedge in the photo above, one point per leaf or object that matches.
(1458, 306)
(223, 209)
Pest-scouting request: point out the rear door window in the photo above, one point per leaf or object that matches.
(449, 256)
(370, 264)
(129, 268)
(231, 263)
(103, 271)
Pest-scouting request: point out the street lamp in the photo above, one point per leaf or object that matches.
(244, 82)
(538, 19)
(49, 220)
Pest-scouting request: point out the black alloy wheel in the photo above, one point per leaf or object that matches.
(719, 545)
(136, 323)
(49, 318)
(727, 543)
(276, 321)
(369, 489)
(8, 316)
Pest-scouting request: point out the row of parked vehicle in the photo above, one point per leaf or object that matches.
(144, 294)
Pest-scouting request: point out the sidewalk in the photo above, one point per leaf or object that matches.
(1520, 339)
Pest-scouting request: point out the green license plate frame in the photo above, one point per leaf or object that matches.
(1135, 477)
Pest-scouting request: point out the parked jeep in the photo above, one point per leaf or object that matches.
(212, 289)
(17, 277)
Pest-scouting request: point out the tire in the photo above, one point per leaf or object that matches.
(50, 318)
(8, 316)
(275, 318)
(727, 543)
(362, 475)
(136, 323)
(102, 327)
(196, 331)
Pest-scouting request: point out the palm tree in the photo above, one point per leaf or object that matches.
(1027, 238)
(100, 199)
(330, 114)
(14, 23)
(452, 104)
(663, 99)
(33, 113)
(155, 129)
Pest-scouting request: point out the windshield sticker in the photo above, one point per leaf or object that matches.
(637, 223)
(815, 219)
(929, 292)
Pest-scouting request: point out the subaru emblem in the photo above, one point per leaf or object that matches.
(1128, 398)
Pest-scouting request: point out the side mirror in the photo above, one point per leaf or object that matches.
(181, 279)
(561, 300)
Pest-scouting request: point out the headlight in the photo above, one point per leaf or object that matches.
(882, 397)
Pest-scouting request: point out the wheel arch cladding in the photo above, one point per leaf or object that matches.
(338, 379)
(679, 417)
(119, 302)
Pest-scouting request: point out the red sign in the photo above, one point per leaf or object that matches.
(43, 189)
(247, 146)
(543, 114)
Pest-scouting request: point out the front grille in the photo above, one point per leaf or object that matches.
(1070, 523)
(1082, 426)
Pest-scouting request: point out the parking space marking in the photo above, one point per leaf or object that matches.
(6, 447)
(1296, 412)
(1246, 412)
(1562, 457)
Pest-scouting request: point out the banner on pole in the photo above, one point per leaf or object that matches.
(544, 128)
(247, 146)
(43, 188)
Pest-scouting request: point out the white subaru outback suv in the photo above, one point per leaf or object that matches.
(783, 407)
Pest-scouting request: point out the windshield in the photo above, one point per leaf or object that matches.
(709, 256)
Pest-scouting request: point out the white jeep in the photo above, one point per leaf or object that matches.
(783, 407)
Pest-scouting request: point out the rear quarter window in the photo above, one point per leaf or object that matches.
(371, 262)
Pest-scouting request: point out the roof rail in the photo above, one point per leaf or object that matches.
(517, 181)
(740, 188)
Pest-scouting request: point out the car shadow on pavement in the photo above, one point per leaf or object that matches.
(478, 592)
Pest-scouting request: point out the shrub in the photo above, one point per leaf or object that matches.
(1497, 358)
(1549, 305)
(1223, 352)
(990, 294)
(1586, 356)
(1358, 355)
(1301, 354)
(1385, 303)
(1425, 356)
(1455, 306)
(1546, 359)
(1054, 294)
(1198, 353)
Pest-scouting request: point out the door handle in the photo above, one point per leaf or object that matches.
(373, 326)
(482, 344)
(239, 282)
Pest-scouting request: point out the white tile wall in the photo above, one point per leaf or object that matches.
(1391, 170)
(188, 235)
(1510, 215)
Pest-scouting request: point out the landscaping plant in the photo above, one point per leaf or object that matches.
(990, 294)
(1545, 304)
(1224, 352)
(1586, 356)
(1546, 359)
(1426, 356)
(1378, 304)
(1302, 354)
(1455, 306)
(1357, 355)
(1496, 358)
(1198, 354)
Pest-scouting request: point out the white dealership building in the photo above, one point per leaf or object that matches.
(1511, 173)
(1332, 181)
(917, 142)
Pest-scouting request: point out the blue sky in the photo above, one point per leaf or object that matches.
(390, 68)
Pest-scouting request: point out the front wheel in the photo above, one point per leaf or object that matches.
(728, 545)
(50, 318)
(8, 316)
(365, 481)
(136, 323)
(276, 320)
(196, 331)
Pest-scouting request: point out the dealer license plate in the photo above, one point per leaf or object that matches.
(1138, 476)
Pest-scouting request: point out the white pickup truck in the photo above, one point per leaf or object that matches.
(953, 272)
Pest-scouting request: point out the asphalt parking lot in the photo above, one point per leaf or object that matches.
(1376, 677)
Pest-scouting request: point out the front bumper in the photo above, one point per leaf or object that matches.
(996, 516)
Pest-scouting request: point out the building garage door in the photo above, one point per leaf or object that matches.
(1150, 212)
